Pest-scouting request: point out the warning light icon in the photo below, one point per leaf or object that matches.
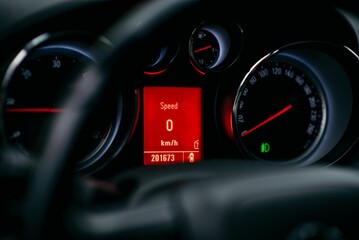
(265, 147)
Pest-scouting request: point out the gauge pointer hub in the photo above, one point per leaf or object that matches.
(271, 118)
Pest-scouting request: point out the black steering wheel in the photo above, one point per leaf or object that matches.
(209, 200)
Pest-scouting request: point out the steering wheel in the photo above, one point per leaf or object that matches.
(209, 200)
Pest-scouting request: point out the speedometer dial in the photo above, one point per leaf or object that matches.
(289, 107)
(280, 112)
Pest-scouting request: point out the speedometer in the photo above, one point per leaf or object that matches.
(280, 112)
(289, 107)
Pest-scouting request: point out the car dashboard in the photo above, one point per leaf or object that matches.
(268, 83)
(198, 86)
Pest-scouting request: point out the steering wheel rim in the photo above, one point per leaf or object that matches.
(52, 167)
(54, 175)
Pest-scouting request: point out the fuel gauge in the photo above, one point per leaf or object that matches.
(206, 50)
(215, 46)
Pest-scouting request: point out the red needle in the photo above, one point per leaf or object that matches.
(267, 120)
(34, 110)
(202, 49)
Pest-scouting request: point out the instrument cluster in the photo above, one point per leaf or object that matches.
(217, 87)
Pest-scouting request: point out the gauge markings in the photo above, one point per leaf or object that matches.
(271, 118)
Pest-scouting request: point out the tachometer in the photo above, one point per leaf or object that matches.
(32, 87)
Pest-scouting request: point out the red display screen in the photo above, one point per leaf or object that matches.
(172, 125)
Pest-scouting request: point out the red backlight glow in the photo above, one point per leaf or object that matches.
(172, 125)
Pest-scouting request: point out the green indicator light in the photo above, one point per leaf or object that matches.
(265, 147)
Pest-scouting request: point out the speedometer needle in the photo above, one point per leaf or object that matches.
(34, 110)
(267, 120)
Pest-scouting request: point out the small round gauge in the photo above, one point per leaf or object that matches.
(31, 92)
(206, 49)
(215, 46)
(290, 108)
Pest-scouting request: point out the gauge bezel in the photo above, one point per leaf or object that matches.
(165, 54)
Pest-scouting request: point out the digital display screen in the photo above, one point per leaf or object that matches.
(172, 125)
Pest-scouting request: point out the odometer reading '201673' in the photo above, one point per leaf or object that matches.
(279, 112)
